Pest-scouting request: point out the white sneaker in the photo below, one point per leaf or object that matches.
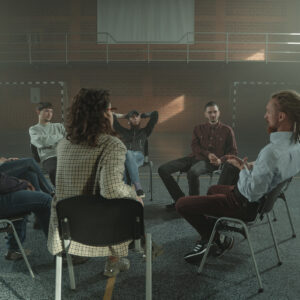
(113, 268)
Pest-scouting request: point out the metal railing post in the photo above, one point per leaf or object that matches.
(29, 48)
(227, 46)
(187, 48)
(66, 45)
(267, 48)
(187, 53)
(107, 48)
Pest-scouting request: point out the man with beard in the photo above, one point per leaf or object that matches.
(211, 142)
(276, 162)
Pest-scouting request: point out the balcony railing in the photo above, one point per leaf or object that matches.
(194, 46)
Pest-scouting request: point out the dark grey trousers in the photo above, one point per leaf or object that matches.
(194, 169)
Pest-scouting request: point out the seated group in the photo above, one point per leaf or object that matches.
(93, 150)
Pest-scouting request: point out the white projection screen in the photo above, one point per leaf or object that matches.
(145, 21)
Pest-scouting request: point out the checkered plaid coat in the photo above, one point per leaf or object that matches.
(75, 175)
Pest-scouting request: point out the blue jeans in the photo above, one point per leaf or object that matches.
(134, 159)
(27, 168)
(25, 201)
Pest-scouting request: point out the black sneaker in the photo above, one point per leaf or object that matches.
(170, 206)
(224, 245)
(140, 193)
(197, 253)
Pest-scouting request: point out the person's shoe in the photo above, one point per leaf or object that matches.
(140, 193)
(197, 253)
(113, 268)
(156, 250)
(224, 245)
(170, 207)
(15, 255)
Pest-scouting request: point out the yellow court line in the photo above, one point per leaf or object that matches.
(109, 288)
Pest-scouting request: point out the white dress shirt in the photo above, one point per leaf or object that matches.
(276, 162)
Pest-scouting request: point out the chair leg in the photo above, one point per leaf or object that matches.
(137, 245)
(208, 247)
(70, 266)
(71, 272)
(21, 248)
(151, 180)
(58, 275)
(178, 177)
(260, 290)
(148, 267)
(274, 240)
(289, 215)
(210, 181)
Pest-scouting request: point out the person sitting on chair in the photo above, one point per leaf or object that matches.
(134, 138)
(26, 168)
(90, 160)
(45, 137)
(276, 162)
(20, 197)
(211, 142)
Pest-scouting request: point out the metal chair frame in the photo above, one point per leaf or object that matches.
(283, 197)
(10, 228)
(242, 227)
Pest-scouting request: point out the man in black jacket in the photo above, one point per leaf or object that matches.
(134, 138)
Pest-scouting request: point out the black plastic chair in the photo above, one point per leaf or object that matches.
(95, 221)
(35, 153)
(283, 197)
(242, 226)
(8, 227)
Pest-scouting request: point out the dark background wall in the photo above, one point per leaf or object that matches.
(176, 89)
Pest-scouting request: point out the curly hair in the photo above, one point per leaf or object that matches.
(289, 103)
(86, 118)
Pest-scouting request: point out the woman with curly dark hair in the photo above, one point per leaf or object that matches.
(91, 159)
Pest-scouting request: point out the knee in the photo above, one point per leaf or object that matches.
(129, 156)
(180, 204)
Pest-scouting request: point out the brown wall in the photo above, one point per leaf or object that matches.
(210, 15)
(178, 90)
(48, 21)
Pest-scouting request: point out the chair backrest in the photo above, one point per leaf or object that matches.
(96, 221)
(268, 201)
(35, 153)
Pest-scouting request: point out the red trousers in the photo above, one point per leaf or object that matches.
(220, 201)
